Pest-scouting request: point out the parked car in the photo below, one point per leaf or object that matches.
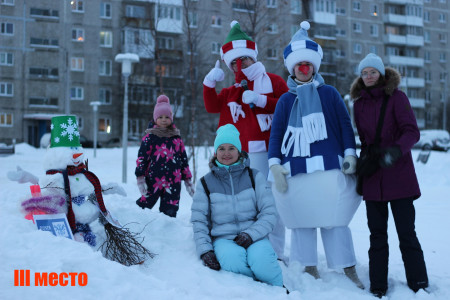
(434, 139)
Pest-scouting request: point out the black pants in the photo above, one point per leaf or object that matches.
(412, 255)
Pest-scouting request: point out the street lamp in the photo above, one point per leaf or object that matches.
(444, 114)
(95, 105)
(126, 59)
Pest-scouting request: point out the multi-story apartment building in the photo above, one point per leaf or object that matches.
(57, 56)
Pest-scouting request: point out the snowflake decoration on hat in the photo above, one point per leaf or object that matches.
(70, 129)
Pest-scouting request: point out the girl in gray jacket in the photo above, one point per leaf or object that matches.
(232, 214)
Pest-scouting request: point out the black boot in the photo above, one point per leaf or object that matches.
(378, 292)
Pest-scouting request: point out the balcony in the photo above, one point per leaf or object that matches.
(417, 2)
(404, 61)
(417, 102)
(403, 20)
(324, 18)
(412, 82)
(407, 40)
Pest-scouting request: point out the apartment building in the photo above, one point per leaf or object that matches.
(57, 56)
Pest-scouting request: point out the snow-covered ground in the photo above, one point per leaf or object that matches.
(176, 272)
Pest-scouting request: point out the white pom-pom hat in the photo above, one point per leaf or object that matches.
(237, 44)
(302, 48)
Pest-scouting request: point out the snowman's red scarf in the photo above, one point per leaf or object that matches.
(70, 171)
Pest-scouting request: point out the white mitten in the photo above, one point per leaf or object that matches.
(236, 111)
(113, 188)
(189, 187)
(216, 74)
(22, 176)
(279, 175)
(349, 165)
(142, 185)
(249, 97)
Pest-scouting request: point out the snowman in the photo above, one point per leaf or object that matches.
(68, 178)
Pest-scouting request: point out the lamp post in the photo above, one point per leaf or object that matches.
(95, 105)
(126, 59)
(444, 113)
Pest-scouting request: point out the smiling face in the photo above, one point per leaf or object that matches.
(163, 121)
(303, 71)
(77, 156)
(227, 154)
(370, 76)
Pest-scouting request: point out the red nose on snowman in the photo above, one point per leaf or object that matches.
(304, 69)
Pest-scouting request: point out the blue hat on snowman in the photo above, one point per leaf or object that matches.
(302, 48)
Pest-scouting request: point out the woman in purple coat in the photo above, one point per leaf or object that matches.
(395, 182)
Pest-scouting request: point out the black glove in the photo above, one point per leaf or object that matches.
(243, 240)
(390, 156)
(210, 260)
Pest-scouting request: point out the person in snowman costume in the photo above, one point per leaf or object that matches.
(248, 104)
(67, 178)
(312, 154)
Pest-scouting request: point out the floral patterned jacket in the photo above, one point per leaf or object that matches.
(163, 161)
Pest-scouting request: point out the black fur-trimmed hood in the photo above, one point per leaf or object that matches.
(392, 79)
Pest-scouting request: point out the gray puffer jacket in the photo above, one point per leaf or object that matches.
(234, 208)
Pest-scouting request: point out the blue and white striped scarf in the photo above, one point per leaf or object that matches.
(306, 122)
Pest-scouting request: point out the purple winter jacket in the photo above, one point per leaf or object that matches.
(399, 128)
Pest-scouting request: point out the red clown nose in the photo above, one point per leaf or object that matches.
(304, 69)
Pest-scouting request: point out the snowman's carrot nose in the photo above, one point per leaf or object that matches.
(77, 155)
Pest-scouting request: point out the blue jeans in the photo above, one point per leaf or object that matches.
(258, 261)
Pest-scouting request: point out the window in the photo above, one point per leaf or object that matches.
(77, 64)
(134, 11)
(7, 28)
(77, 5)
(78, 35)
(443, 38)
(442, 18)
(272, 28)
(38, 12)
(6, 119)
(215, 47)
(105, 10)
(327, 6)
(140, 94)
(340, 11)
(193, 21)
(244, 6)
(357, 49)
(106, 39)
(373, 49)
(6, 89)
(340, 32)
(6, 59)
(373, 30)
(427, 56)
(104, 125)
(44, 101)
(340, 53)
(426, 16)
(104, 68)
(357, 27)
(48, 43)
(426, 36)
(272, 53)
(7, 2)
(442, 57)
(44, 72)
(296, 7)
(169, 12)
(272, 3)
(356, 6)
(374, 10)
(165, 43)
(216, 21)
(428, 95)
(162, 70)
(104, 95)
(76, 93)
(427, 76)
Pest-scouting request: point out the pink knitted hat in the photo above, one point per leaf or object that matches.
(162, 107)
